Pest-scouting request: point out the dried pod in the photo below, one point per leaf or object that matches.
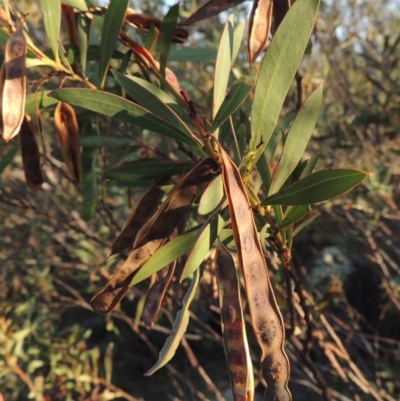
(30, 155)
(156, 293)
(14, 84)
(266, 319)
(68, 134)
(143, 212)
(156, 233)
(259, 28)
(233, 326)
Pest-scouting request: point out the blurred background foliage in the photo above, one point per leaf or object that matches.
(53, 347)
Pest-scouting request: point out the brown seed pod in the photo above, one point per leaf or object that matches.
(266, 319)
(14, 84)
(259, 28)
(233, 326)
(143, 212)
(281, 7)
(68, 135)
(156, 233)
(156, 293)
(30, 155)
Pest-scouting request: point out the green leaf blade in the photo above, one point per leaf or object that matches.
(205, 240)
(113, 21)
(171, 251)
(122, 109)
(297, 139)
(318, 187)
(178, 328)
(52, 22)
(237, 95)
(277, 71)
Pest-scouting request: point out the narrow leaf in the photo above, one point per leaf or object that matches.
(294, 215)
(318, 187)
(212, 197)
(113, 21)
(178, 328)
(151, 101)
(223, 66)
(206, 237)
(278, 69)
(52, 22)
(234, 99)
(297, 139)
(122, 109)
(147, 169)
(167, 32)
(171, 251)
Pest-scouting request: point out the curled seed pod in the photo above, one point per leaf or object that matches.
(30, 155)
(14, 84)
(68, 135)
(70, 23)
(266, 319)
(259, 28)
(143, 212)
(155, 234)
(233, 326)
(155, 295)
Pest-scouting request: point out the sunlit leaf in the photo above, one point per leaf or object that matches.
(122, 109)
(148, 99)
(234, 99)
(171, 251)
(223, 66)
(277, 70)
(318, 187)
(178, 328)
(113, 21)
(294, 214)
(206, 237)
(147, 169)
(212, 197)
(83, 38)
(52, 22)
(167, 32)
(297, 139)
